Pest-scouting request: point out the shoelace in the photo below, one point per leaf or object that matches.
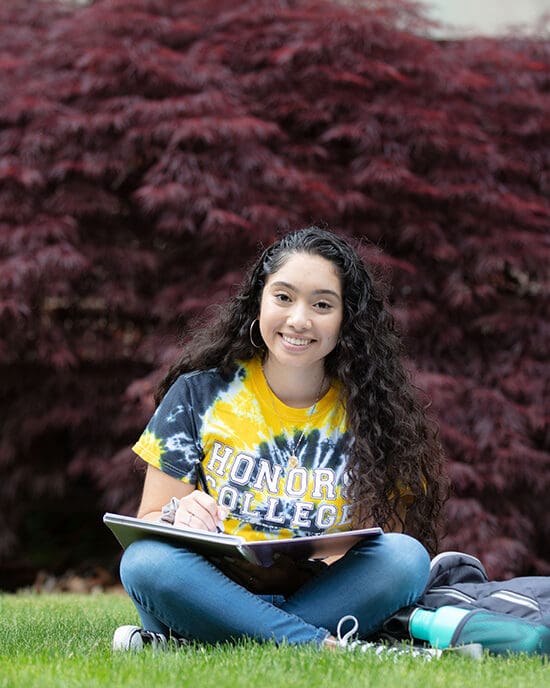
(343, 639)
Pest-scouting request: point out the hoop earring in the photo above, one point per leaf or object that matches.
(250, 334)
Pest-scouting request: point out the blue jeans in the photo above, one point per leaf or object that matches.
(178, 591)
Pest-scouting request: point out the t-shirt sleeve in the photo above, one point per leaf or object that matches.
(171, 440)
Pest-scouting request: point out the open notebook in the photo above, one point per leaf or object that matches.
(262, 552)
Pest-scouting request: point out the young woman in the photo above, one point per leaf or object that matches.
(296, 402)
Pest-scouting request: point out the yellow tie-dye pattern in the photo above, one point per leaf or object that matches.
(151, 448)
(247, 423)
(245, 439)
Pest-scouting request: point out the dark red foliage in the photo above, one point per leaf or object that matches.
(148, 147)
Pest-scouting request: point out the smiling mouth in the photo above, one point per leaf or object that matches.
(296, 341)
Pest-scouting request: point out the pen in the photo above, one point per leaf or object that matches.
(201, 479)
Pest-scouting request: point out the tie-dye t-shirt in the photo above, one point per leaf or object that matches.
(245, 437)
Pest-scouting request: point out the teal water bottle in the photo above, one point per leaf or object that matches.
(436, 627)
(502, 634)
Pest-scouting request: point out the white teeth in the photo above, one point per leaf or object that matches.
(295, 341)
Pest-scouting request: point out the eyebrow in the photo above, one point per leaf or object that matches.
(330, 292)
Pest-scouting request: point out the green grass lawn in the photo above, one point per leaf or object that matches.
(64, 641)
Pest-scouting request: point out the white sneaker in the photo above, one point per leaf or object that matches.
(471, 650)
(135, 638)
(381, 650)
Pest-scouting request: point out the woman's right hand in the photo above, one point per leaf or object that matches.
(200, 511)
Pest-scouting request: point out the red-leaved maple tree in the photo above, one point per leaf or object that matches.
(148, 148)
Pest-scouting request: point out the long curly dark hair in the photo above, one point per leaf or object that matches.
(396, 449)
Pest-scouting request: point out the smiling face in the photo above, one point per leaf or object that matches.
(301, 312)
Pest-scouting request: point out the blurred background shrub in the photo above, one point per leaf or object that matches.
(149, 148)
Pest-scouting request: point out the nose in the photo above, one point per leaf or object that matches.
(298, 318)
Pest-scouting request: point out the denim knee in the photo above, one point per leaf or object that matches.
(404, 558)
(142, 564)
(412, 558)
